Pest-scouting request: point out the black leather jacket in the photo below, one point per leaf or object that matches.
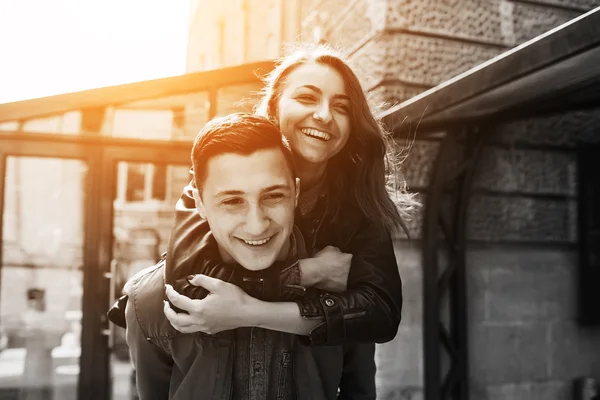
(369, 311)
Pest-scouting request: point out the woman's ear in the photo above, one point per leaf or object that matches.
(199, 203)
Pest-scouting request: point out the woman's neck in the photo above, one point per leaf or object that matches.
(310, 174)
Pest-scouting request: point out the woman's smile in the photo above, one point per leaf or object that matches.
(317, 134)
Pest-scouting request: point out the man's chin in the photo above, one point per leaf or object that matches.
(256, 267)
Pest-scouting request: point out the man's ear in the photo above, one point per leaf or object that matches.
(199, 203)
(297, 192)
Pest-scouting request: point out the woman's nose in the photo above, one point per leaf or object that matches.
(323, 114)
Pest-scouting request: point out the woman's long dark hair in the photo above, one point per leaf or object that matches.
(367, 166)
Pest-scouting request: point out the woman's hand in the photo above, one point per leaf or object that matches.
(327, 270)
(229, 307)
(223, 308)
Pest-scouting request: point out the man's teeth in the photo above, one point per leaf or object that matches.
(316, 134)
(256, 242)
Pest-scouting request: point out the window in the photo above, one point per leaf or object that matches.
(139, 182)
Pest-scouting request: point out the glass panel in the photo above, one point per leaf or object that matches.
(43, 125)
(141, 227)
(191, 119)
(41, 278)
(10, 126)
(142, 124)
(67, 123)
(164, 118)
(239, 98)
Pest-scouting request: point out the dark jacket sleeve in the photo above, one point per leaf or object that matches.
(370, 310)
(153, 365)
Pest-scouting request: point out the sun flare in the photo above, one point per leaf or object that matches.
(52, 47)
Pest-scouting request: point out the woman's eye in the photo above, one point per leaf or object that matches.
(306, 97)
(342, 108)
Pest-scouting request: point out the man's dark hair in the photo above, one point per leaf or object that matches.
(238, 133)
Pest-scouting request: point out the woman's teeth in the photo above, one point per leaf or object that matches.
(316, 134)
(256, 242)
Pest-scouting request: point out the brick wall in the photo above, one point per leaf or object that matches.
(524, 342)
(400, 362)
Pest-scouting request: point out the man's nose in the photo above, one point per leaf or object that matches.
(257, 220)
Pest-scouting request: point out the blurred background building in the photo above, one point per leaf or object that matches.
(90, 180)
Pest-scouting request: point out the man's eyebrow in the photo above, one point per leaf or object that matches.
(241, 193)
(276, 187)
(318, 90)
(230, 193)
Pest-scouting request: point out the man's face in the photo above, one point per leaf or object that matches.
(249, 203)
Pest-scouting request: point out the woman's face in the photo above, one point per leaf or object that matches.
(314, 112)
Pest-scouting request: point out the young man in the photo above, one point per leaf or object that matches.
(247, 191)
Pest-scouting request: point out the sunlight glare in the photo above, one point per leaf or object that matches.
(51, 47)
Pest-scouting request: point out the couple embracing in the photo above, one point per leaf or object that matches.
(280, 275)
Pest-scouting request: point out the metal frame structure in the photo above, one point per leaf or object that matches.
(444, 246)
(101, 155)
(140, 95)
(555, 72)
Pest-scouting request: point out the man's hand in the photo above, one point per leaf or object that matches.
(223, 308)
(327, 270)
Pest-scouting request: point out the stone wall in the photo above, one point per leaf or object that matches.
(402, 47)
(524, 341)
(400, 362)
(524, 293)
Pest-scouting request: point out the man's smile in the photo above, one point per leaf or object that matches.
(256, 242)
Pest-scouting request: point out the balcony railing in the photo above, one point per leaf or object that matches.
(164, 109)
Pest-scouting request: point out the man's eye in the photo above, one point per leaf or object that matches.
(232, 202)
(275, 197)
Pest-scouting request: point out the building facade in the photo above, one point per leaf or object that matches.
(524, 342)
